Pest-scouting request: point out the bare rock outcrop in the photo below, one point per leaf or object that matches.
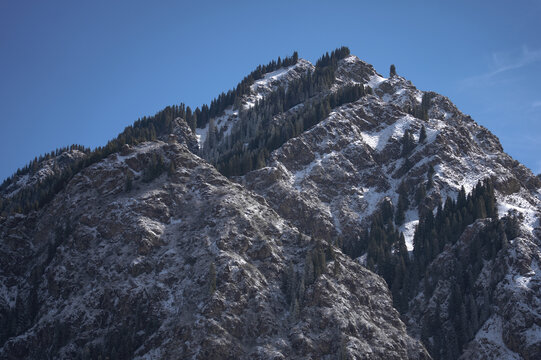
(186, 264)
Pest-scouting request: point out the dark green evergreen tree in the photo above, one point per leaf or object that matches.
(430, 174)
(129, 181)
(425, 105)
(408, 143)
(422, 135)
(403, 204)
(420, 195)
(392, 71)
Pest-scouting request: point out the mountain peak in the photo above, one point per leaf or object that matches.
(313, 208)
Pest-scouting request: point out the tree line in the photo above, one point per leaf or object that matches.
(147, 128)
(281, 115)
(406, 274)
(201, 116)
(244, 156)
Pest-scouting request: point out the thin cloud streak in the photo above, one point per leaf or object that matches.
(504, 62)
(536, 104)
(525, 58)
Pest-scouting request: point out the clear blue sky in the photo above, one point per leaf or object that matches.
(80, 71)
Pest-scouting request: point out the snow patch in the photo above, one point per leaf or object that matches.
(371, 199)
(409, 227)
(151, 226)
(378, 140)
(300, 175)
(516, 202)
(375, 81)
(201, 135)
(227, 120)
(269, 82)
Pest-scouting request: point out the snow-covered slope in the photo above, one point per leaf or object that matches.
(258, 91)
(271, 81)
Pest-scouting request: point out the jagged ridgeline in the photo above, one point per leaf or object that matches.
(148, 128)
(284, 113)
(362, 175)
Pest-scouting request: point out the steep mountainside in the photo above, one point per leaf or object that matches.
(185, 265)
(336, 174)
(331, 179)
(342, 168)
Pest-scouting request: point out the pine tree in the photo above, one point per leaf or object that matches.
(420, 194)
(210, 141)
(190, 119)
(461, 200)
(392, 71)
(387, 211)
(480, 208)
(408, 143)
(422, 135)
(425, 105)
(430, 174)
(402, 206)
(128, 185)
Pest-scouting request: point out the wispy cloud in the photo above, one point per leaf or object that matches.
(536, 104)
(506, 61)
(503, 62)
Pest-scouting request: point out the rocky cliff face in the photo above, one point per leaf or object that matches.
(151, 253)
(343, 167)
(103, 271)
(332, 178)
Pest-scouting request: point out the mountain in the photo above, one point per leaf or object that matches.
(314, 211)
(186, 264)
